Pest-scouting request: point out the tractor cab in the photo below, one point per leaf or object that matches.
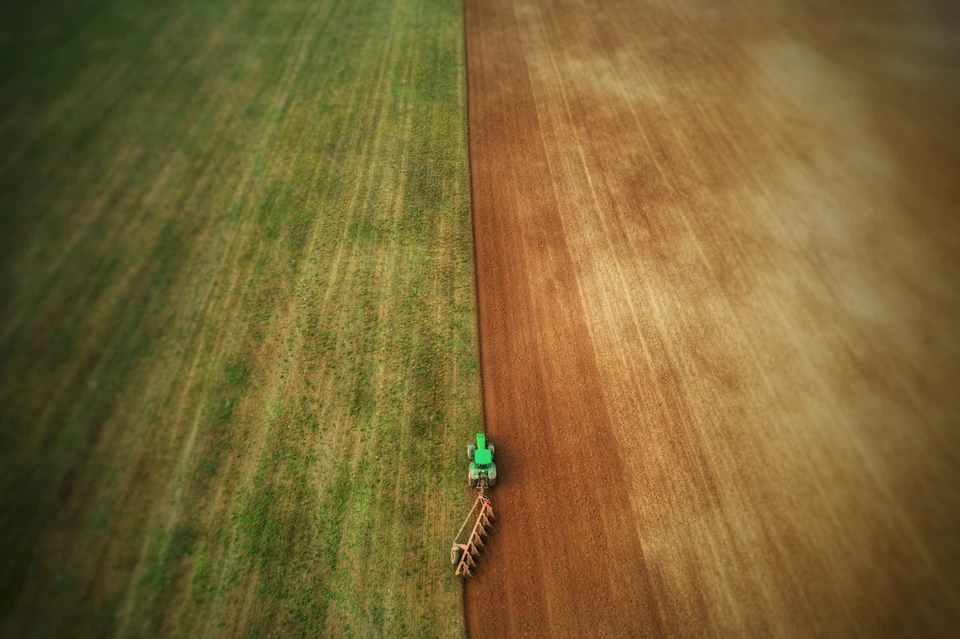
(482, 456)
(483, 472)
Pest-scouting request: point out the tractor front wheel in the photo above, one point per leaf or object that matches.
(471, 450)
(490, 448)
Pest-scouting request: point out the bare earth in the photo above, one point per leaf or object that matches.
(718, 255)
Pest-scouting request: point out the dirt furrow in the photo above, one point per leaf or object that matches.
(716, 280)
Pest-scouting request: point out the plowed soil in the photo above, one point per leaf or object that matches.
(718, 266)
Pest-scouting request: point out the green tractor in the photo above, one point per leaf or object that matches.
(482, 475)
(483, 472)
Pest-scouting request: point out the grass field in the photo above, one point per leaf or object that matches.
(238, 335)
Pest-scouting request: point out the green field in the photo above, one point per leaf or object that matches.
(238, 335)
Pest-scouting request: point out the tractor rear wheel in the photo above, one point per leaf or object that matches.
(492, 482)
(471, 450)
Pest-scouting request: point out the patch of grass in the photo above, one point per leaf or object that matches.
(238, 374)
(228, 394)
(183, 542)
(202, 572)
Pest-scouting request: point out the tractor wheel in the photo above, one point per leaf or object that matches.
(492, 482)
(471, 449)
(473, 482)
(490, 446)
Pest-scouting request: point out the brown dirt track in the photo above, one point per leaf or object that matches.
(718, 271)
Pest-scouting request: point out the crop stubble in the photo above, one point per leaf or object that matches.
(717, 274)
(237, 347)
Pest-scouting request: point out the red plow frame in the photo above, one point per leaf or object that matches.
(463, 555)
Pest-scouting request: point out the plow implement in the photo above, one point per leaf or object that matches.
(463, 554)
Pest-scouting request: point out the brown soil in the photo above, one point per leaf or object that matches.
(717, 276)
